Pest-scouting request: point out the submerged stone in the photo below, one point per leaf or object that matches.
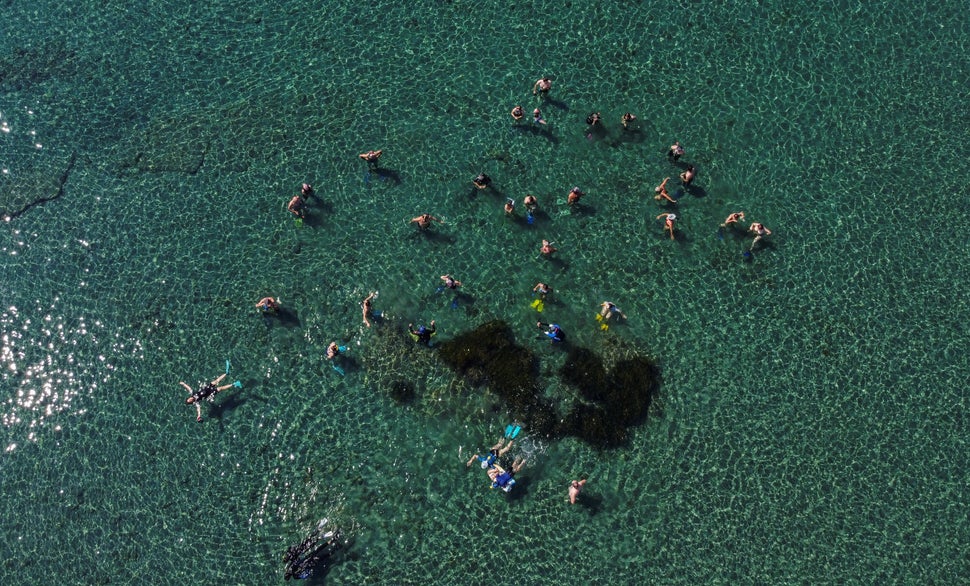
(608, 401)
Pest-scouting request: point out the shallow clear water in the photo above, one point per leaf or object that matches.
(811, 426)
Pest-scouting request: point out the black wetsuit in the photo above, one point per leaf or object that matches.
(423, 336)
(301, 565)
(206, 391)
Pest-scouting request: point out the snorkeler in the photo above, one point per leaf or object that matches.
(537, 117)
(542, 86)
(509, 206)
(688, 176)
(450, 282)
(608, 309)
(547, 248)
(297, 206)
(423, 334)
(371, 157)
(367, 306)
(676, 151)
(303, 559)
(554, 332)
(482, 181)
(206, 391)
(505, 479)
(494, 453)
(424, 221)
(661, 191)
(668, 222)
(574, 195)
(574, 488)
(734, 218)
(542, 290)
(333, 350)
(759, 231)
(268, 305)
(530, 202)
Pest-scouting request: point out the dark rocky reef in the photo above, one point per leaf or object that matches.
(26, 67)
(488, 355)
(609, 402)
(614, 400)
(36, 185)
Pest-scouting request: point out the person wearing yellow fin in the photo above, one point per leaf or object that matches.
(542, 290)
(607, 310)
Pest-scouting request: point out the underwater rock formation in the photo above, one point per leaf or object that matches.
(34, 187)
(608, 402)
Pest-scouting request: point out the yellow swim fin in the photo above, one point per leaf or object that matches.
(536, 303)
(540, 307)
(599, 317)
(604, 327)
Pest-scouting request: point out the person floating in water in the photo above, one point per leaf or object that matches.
(687, 177)
(537, 117)
(574, 489)
(676, 151)
(734, 218)
(334, 350)
(542, 290)
(547, 249)
(307, 191)
(542, 86)
(206, 392)
(505, 479)
(554, 332)
(669, 220)
(760, 232)
(367, 306)
(494, 453)
(268, 305)
(297, 206)
(531, 203)
(608, 309)
(314, 552)
(661, 191)
(371, 157)
(594, 119)
(423, 334)
(627, 120)
(450, 282)
(482, 181)
(517, 113)
(424, 221)
(575, 194)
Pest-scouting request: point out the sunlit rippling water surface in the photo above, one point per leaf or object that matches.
(811, 424)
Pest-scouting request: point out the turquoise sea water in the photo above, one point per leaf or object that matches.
(812, 422)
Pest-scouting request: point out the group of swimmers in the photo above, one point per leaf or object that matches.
(501, 472)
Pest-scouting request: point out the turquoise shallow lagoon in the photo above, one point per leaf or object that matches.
(811, 426)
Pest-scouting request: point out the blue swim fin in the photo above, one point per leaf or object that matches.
(454, 303)
(720, 233)
(237, 384)
(515, 432)
(227, 366)
(341, 348)
(508, 430)
(338, 370)
(439, 289)
(530, 219)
